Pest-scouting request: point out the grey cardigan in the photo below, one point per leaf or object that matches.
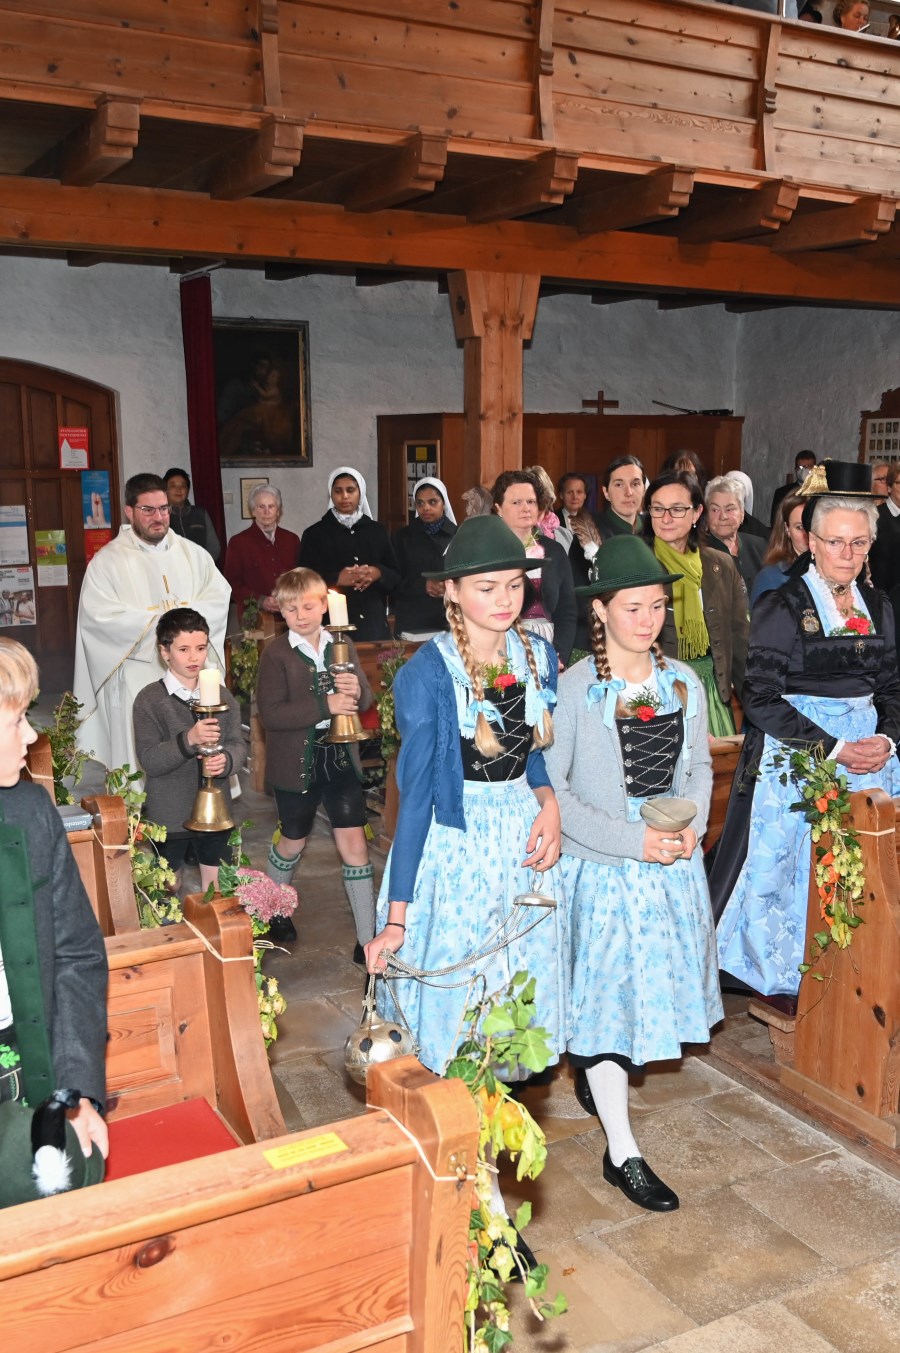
(586, 771)
(169, 762)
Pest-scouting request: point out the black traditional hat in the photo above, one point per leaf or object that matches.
(834, 479)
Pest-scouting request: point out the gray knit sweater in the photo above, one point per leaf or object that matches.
(585, 767)
(171, 766)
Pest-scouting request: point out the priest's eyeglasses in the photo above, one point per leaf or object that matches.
(833, 545)
(152, 511)
(677, 510)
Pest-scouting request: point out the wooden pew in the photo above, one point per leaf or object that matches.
(846, 1056)
(339, 1238)
(725, 754)
(101, 851)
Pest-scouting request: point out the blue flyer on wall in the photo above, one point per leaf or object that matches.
(95, 499)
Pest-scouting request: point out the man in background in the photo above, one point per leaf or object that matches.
(804, 461)
(186, 518)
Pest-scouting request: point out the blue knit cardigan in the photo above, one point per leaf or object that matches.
(429, 768)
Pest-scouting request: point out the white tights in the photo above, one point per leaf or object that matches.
(609, 1086)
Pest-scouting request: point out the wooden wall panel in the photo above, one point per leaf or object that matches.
(222, 20)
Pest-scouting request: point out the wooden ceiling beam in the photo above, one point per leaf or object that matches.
(837, 227)
(753, 212)
(104, 144)
(686, 302)
(658, 196)
(616, 297)
(262, 160)
(402, 174)
(533, 185)
(40, 214)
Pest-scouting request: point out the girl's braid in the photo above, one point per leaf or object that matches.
(543, 736)
(485, 738)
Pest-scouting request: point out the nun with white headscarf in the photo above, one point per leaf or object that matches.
(353, 554)
(419, 547)
(750, 526)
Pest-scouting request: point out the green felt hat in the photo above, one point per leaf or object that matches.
(625, 561)
(17, 1151)
(483, 545)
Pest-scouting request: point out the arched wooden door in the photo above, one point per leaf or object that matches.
(35, 402)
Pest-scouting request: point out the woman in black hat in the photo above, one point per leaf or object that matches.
(630, 727)
(477, 812)
(821, 672)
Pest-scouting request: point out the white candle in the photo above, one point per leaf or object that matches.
(337, 609)
(209, 686)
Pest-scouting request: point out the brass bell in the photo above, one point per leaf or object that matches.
(376, 1040)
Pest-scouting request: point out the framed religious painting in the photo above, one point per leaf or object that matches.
(262, 391)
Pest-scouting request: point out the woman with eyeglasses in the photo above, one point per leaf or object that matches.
(724, 519)
(821, 672)
(707, 624)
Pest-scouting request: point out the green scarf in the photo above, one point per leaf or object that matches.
(690, 626)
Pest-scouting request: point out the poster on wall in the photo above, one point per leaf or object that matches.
(52, 559)
(13, 534)
(73, 449)
(16, 597)
(95, 499)
(421, 462)
(94, 540)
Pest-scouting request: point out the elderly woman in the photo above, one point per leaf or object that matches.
(549, 608)
(821, 673)
(420, 547)
(724, 516)
(259, 555)
(353, 553)
(851, 14)
(789, 539)
(707, 625)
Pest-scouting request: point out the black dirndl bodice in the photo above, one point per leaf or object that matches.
(515, 739)
(650, 752)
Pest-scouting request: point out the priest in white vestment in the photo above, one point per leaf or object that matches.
(127, 586)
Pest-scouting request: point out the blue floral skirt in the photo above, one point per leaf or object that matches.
(762, 932)
(464, 889)
(643, 957)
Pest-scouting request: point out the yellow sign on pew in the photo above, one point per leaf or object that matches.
(311, 1148)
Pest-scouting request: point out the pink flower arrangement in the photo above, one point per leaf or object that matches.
(262, 898)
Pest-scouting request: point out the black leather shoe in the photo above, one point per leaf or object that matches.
(281, 930)
(638, 1182)
(583, 1092)
(526, 1258)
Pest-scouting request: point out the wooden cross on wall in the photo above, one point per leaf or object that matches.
(600, 403)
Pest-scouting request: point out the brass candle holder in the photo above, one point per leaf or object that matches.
(344, 727)
(210, 812)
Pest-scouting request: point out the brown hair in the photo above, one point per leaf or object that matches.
(781, 547)
(18, 675)
(297, 581)
(843, 7)
(601, 659)
(485, 738)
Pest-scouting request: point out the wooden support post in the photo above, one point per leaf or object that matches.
(104, 144)
(267, 157)
(493, 313)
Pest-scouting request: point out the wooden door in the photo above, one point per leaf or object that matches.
(35, 402)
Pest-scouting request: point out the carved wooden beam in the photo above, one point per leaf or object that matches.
(753, 212)
(686, 302)
(532, 186)
(767, 95)
(269, 63)
(268, 157)
(405, 172)
(837, 227)
(657, 196)
(104, 144)
(543, 71)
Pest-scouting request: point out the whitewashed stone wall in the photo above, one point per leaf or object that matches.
(800, 377)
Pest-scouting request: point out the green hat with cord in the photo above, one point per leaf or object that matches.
(625, 561)
(483, 545)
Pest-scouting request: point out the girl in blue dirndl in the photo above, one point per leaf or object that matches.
(477, 812)
(821, 672)
(631, 725)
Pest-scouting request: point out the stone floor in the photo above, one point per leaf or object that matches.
(785, 1236)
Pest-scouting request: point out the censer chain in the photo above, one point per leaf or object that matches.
(397, 967)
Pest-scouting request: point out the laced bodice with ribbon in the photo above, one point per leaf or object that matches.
(650, 750)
